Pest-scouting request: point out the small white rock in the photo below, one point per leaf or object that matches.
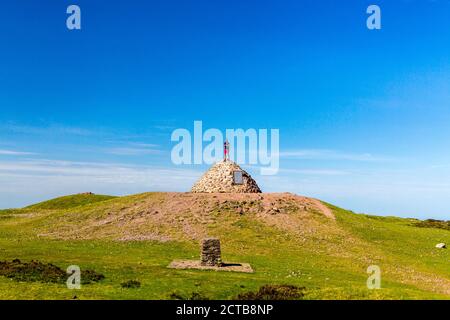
(441, 245)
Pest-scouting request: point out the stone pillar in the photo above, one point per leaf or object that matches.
(210, 255)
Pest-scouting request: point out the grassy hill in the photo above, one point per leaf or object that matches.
(287, 239)
(71, 201)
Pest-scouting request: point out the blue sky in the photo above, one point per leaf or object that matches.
(363, 115)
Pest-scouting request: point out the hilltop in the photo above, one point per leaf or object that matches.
(71, 201)
(288, 239)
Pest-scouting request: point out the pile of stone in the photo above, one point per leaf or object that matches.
(210, 252)
(220, 178)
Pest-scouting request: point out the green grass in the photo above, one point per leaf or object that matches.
(330, 263)
(70, 201)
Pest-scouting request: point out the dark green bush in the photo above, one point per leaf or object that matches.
(131, 284)
(274, 292)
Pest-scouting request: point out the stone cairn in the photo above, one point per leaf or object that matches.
(210, 255)
(219, 178)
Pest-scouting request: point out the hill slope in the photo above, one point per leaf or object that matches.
(288, 239)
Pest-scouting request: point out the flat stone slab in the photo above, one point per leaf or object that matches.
(196, 264)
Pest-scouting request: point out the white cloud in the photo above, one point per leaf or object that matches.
(144, 145)
(323, 154)
(306, 171)
(320, 172)
(94, 170)
(128, 151)
(14, 153)
(27, 181)
(164, 127)
(45, 130)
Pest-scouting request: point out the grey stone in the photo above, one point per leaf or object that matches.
(219, 178)
(210, 252)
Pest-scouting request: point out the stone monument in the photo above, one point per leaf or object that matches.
(210, 252)
(226, 177)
